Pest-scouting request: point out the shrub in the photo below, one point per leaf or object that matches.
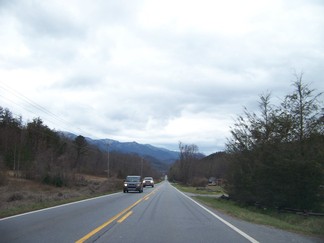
(57, 180)
(199, 181)
(15, 197)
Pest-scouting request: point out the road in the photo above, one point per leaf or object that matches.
(160, 214)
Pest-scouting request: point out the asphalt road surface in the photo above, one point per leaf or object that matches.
(160, 214)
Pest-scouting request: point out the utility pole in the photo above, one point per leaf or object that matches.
(141, 167)
(108, 159)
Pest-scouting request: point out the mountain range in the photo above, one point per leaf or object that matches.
(160, 157)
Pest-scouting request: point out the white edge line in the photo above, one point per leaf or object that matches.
(58, 206)
(221, 219)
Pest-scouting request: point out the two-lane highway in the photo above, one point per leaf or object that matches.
(160, 214)
(169, 216)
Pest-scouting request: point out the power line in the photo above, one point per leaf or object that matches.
(51, 117)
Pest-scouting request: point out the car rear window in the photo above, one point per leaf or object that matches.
(132, 178)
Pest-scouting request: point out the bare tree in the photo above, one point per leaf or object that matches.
(188, 157)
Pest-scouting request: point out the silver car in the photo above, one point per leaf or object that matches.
(148, 181)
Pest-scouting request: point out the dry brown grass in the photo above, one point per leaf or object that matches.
(20, 195)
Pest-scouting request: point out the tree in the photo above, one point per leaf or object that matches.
(214, 165)
(304, 111)
(10, 138)
(44, 155)
(277, 155)
(81, 149)
(184, 169)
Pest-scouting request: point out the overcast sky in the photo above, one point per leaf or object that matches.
(155, 72)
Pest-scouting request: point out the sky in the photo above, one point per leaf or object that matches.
(155, 72)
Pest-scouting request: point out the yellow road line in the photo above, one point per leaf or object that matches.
(96, 230)
(124, 217)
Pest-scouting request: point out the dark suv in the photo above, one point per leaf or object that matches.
(133, 183)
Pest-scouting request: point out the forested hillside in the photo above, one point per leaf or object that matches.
(274, 157)
(33, 151)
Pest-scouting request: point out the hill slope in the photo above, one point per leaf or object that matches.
(165, 156)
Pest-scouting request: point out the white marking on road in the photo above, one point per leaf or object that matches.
(221, 219)
(58, 206)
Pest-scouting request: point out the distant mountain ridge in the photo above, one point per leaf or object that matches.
(163, 155)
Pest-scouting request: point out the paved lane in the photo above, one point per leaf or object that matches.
(169, 216)
(66, 223)
(160, 214)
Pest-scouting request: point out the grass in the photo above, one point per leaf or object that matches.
(20, 195)
(24, 208)
(208, 190)
(309, 225)
(33, 206)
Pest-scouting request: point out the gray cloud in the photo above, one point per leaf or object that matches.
(157, 72)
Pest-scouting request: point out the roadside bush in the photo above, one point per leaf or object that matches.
(285, 179)
(15, 197)
(199, 181)
(57, 180)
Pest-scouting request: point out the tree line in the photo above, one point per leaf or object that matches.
(274, 157)
(34, 151)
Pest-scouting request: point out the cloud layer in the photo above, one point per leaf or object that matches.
(155, 72)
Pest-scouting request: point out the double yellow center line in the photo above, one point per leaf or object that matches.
(124, 217)
(126, 212)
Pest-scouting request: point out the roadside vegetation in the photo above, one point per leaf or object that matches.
(274, 157)
(20, 195)
(205, 190)
(299, 223)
